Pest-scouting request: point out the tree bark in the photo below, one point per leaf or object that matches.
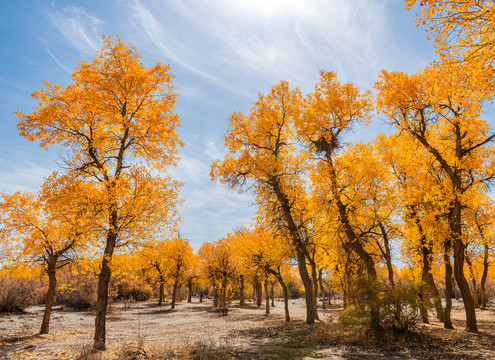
(286, 297)
(174, 293)
(272, 293)
(387, 254)
(259, 293)
(241, 290)
(189, 290)
(161, 293)
(103, 282)
(473, 282)
(484, 277)
(447, 321)
(322, 289)
(267, 297)
(456, 230)
(50, 294)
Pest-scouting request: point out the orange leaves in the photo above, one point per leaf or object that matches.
(332, 108)
(115, 104)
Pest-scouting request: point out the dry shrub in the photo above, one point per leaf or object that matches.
(16, 294)
(135, 289)
(202, 350)
(76, 289)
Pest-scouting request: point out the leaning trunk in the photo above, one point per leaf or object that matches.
(286, 297)
(50, 294)
(436, 297)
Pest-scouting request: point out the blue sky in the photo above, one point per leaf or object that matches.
(223, 52)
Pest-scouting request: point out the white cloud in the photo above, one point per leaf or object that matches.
(242, 44)
(82, 29)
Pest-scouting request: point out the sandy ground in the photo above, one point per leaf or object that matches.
(246, 329)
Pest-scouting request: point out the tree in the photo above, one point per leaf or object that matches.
(328, 112)
(262, 155)
(219, 267)
(116, 114)
(262, 250)
(47, 229)
(464, 29)
(179, 256)
(440, 108)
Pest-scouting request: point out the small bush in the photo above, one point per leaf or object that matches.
(77, 289)
(136, 289)
(398, 309)
(16, 294)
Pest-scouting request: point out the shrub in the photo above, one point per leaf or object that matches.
(398, 308)
(136, 289)
(77, 289)
(16, 294)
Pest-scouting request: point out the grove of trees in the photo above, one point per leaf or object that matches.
(399, 223)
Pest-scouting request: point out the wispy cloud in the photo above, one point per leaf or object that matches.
(24, 176)
(240, 44)
(80, 28)
(59, 63)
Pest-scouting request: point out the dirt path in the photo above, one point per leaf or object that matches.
(246, 329)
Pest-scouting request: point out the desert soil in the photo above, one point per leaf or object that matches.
(247, 330)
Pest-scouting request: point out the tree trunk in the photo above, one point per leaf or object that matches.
(483, 277)
(189, 290)
(161, 293)
(322, 289)
(314, 279)
(423, 306)
(473, 282)
(259, 293)
(174, 293)
(241, 290)
(103, 282)
(436, 296)
(267, 297)
(447, 321)
(387, 255)
(286, 297)
(471, 324)
(272, 293)
(50, 294)
(224, 295)
(308, 288)
(215, 295)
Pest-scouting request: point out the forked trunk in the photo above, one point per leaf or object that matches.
(50, 294)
